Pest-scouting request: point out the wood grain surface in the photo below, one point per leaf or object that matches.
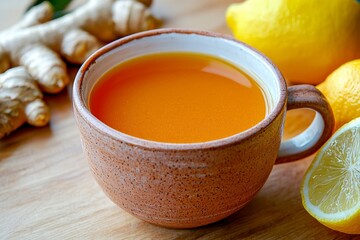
(47, 191)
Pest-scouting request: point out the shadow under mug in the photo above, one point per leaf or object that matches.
(190, 185)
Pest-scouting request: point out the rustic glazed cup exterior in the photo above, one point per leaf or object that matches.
(189, 185)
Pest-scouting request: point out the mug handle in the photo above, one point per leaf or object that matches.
(319, 131)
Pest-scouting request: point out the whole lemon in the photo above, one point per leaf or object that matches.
(342, 90)
(306, 39)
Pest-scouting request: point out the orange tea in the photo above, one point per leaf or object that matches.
(177, 98)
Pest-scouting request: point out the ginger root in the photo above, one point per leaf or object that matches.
(40, 44)
(20, 101)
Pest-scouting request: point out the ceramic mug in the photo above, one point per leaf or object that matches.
(189, 185)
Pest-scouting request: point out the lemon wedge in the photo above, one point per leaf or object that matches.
(330, 189)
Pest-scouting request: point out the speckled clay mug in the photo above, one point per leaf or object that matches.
(189, 185)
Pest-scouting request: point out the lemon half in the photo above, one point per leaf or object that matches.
(331, 186)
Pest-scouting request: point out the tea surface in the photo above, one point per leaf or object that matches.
(177, 98)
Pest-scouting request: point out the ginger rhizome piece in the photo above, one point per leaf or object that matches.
(20, 101)
(40, 44)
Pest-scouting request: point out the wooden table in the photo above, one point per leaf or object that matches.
(47, 191)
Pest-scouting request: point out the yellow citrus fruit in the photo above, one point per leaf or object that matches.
(306, 39)
(331, 186)
(342, 90)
